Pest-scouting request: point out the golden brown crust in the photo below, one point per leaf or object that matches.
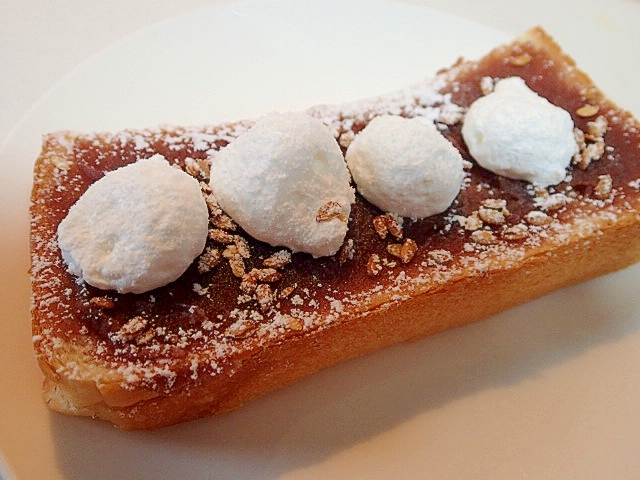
(422, 315)
(594, 239)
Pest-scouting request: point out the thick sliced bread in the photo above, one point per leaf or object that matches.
(247, 318)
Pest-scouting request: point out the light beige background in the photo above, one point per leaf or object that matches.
(548, 390)
(41, 41)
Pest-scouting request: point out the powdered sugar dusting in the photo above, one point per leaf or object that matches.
(267, 298)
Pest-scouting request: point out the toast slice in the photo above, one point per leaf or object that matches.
(247, 318)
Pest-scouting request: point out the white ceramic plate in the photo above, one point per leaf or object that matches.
(550, 389)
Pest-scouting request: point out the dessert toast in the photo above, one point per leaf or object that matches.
(247, 318)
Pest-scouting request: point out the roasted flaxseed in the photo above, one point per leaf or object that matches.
(587, 111)
(538, 218)
(278, 260)
(264, 295)
(208, 260)
(520, 60)
(220, 236)
(130, 330)
(374, 266)
(516, 232)
(483, 237)
(241, 329)
(604, 187)
(329, 211)
(103, 303)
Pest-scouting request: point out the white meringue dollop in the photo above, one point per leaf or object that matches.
(405, 166)
(518, 134)
(137, 228)
(286, 183)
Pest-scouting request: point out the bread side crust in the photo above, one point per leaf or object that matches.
(605, 251)
(597, 245)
